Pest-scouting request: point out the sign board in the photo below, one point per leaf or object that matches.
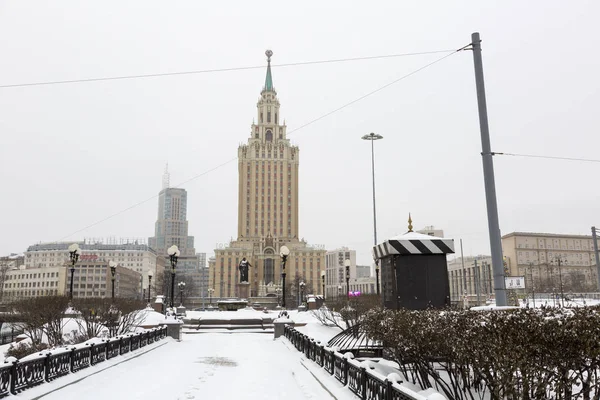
(514, 282)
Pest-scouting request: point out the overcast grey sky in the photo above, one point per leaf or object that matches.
(74, 154)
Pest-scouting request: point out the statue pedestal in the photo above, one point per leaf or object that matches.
(243, 290)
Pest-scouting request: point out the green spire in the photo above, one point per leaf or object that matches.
(269, 79)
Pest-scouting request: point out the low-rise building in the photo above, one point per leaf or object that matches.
(131, 254)
(94, 279)
(470, 276)
(33, 282)
(549, 261)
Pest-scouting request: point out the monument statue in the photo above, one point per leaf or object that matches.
(244, 264)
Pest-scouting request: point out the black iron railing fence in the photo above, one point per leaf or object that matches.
(366, 384)
(20, 375)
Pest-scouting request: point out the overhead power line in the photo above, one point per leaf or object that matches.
(206, 71)
(547, 157)
(289, 133)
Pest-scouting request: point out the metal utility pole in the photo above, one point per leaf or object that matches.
(595, 238)
(488, 175)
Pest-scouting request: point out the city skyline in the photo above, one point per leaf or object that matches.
(95, 149)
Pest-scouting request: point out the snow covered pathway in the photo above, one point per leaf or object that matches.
(206, 365)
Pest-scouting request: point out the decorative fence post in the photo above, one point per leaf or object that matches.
(345, 370)
(363, 382)
(13, 377)
(72, 360)
(388, 389)
(47, 367)
(92, 354)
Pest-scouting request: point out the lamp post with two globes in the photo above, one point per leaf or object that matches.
(347, 265)
(181, 286)
(74, 253)
(173, 253)
(149, 284)
(113, 270)
(323, 284)
(284, 252)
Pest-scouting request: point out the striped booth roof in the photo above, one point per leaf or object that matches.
(412, 243)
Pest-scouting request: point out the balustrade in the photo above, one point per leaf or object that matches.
(20, 375)
(365, 384)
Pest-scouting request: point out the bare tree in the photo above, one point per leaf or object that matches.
(351, 311)
(43, 315)
(94, 315)
(129, 315)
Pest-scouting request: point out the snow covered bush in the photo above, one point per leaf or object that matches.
(22, 349)
(349, 313)
(518, 354)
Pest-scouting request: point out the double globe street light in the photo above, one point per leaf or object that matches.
(284, 252)
(323, 284)
(181, 286)
(74, 253)
(347, 265)
(113, 270)
(173, 253)
(302, 286)
(150, 274)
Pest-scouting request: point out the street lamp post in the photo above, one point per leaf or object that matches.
(376, 269)
(210, 292)
(149, 284)
(560, 261)
(113, 269)
(74, 253)
(181, 286)
(174, 253)
(373, 137)
(532, 283)
(347, 264)
(284, 252)
(323, 284)
(302, 285)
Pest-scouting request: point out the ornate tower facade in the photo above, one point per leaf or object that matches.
(268, 173)
(267, 212)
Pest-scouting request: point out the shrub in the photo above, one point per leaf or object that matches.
(518, 354)
(21, 350)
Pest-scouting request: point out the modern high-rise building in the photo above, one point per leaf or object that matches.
(171, 228)
(267, 210)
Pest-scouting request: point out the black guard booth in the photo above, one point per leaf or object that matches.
(414, 273)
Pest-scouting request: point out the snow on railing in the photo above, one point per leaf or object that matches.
(16, 376)
(361, 380)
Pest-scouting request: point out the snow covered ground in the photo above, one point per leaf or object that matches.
(205, 365)
(220, 365)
